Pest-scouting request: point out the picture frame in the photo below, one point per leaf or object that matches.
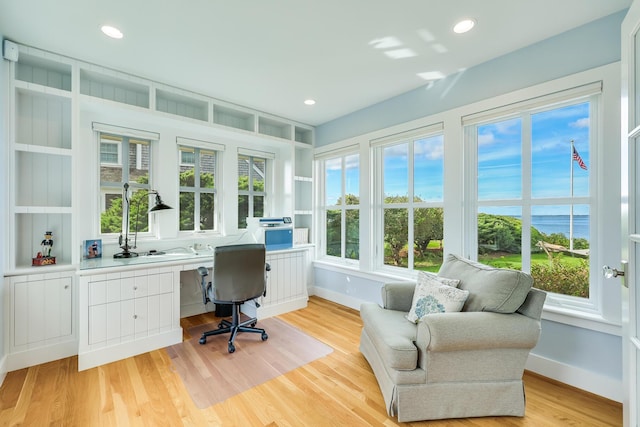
(92, 249)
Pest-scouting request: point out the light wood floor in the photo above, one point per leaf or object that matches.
(337, 390)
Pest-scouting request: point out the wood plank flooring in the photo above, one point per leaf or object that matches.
(337, 390)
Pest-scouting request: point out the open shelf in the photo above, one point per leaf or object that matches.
(43, 119)
(34, 183)
(43, 72)
(29, 232)
(233, 118)
(113, 89)
(273, 127)
(180, 105)
(303, 135)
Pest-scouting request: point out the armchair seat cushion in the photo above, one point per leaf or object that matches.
(392, 335)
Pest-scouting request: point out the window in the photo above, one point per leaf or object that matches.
(252, 193)
(132, 168)
(342, 206)
(534, 203)
(411, 201)
(198, 195)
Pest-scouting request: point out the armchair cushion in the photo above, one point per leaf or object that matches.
(433, 296)
(498, 290)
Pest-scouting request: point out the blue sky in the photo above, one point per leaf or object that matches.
(500, 158)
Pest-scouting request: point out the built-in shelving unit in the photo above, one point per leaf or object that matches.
(234, 118)
(113, 88)
(42, 159)
(303, 182)
(181, 105)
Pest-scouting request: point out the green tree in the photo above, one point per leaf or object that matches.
(187, 201)
(396, 228)
(504, 233)
(428, 226)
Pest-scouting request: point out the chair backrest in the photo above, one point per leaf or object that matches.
(239, 272)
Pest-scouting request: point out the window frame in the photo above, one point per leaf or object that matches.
(196, 189)
(343, 207)
(251, 192)
(377, 147)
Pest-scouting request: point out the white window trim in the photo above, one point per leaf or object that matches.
(607, 237)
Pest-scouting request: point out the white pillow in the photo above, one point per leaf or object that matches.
(432, 296)
(426, 275)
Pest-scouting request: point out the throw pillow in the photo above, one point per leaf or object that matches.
(424, 276)
(432, 296)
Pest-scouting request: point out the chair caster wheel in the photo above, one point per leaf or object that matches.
(220, 325)
(253, 325)
(203, 340)
(231, 348)
(264, 336)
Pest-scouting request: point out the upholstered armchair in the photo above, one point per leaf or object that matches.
(465, 356)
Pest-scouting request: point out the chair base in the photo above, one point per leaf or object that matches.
(233, 327)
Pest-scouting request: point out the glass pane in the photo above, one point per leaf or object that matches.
(243, 210)
(111, 216)
(243, 172)
(187, 156)
(110, 171)
(207, 202)
(636, 78)
(334, 233)
(500, 160)
(207, 168)
(428, 170)
(396, 237)
(427, 235)
(560, 261)
(258, 173)
(187, 172)
(500, 236)
(352, 241)
(258, 206)
(560, 152)
(333, 181)
(139, 161)
(352, 179)
(187, 211)
(138, 213)
(396, 174)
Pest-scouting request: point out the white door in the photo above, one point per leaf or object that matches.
(630, 114)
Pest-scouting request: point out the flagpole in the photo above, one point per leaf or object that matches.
(571, 206)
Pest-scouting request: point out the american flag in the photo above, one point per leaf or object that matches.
(578, 159)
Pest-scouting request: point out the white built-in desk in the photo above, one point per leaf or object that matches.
(108, 309)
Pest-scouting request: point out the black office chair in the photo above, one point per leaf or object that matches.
(239, 275)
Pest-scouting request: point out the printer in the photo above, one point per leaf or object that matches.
(274, 233)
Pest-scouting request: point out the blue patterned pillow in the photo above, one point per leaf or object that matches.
(433, 296)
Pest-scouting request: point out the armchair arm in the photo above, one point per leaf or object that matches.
(475, 331)
(398, 296)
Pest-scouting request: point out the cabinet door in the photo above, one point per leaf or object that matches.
(42, 310)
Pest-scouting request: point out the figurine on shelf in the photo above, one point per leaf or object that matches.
(44, 256)
(47, 244)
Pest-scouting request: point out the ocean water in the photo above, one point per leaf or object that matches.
(550, 224)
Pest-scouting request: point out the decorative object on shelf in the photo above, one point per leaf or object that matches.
(92, 249)
(44, 256)
(124, 242)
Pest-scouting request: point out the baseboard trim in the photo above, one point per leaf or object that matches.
(583, 379)
(337, 297)
(3, 369)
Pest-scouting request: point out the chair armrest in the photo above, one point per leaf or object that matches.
(475, 331)
(398, 296)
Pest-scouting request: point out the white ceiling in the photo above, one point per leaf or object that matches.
(271, 55)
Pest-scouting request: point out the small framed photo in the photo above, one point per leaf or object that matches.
(92, 249)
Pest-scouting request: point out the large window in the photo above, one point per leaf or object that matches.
(123, 160)
(198, 195)
(411, 205)
(341, 207)
(534, 203)
(252, 192)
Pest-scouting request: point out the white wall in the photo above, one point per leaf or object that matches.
(573, 352)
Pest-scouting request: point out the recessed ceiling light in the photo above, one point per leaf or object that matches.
(112, 32)
(464, 26)
(309, 101)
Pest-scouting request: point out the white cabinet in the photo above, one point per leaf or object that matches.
(127, 312)
(41, 324)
